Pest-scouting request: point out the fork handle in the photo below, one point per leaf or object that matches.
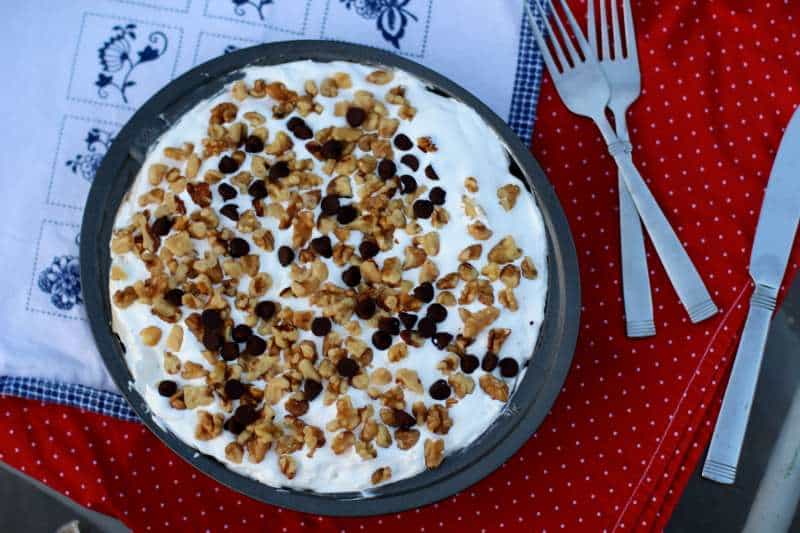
(635, 277)
(682, 273)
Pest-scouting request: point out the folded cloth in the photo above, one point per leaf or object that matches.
(67, 102)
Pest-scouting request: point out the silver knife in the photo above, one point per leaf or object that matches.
(777, 224)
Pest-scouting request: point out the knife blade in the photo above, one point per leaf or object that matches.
(775, 233)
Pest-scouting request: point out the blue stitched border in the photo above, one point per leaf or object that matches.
(103, 402)
(521, 118)
(156, 6)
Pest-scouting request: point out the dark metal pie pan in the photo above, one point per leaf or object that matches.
(530, 402)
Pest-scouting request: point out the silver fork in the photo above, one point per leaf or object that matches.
(622, 73)
(583, 87)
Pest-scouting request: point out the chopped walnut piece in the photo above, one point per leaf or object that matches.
(467, 272)
(277, 387)
(179, 244)
(434, 452)
(257, 449)
(507, 299)
(264, 239)
(479, 231)
(491, 271)
(287, 466)
(380, 77)
(392, 271)
(413, 257)
(409, 379)
(150, 335)
(234, 452)
(381, 376)
(118, 274)
(124, 298)
(197, 396)
(446, 298)
(471, 184)
(507, 194)
(426, 144)
(495, 388)
(387, 127)
(476, 322)
(438, 420)
(381, 474)
(384, 437)
(406, 438)
(192, 370)
(462, 384)
(470, 253)
(528, 268)
(505, 251)
(398, 352)
(510, 276)
(208, 425)
(342, 442)
(314, 438)
(497, 337)
(175, 338)
(449, 281)
(172, 365)
(449, 364)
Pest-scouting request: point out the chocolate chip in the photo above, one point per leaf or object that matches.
(211, 319)
(226, 191)
(440, 390)
(255, 345)
(426, 328)
(437, 312)
(212, 339)
(167, 388)
(229, 351)
(356, 116)
(238, 247)
(365, 308)
(245, 414)
(346, 214)
(423, 209)
(230, 210)
(234, 389)
(241, 333)
(330, 205)
(381, 340)
(299, 127)
(403, 419)
(389, 324)
(285, 255)
(352, 276)
(174, 297)
(441, 340)
(402, 142)
(489, 362)
(332, 149)
(279, 170)
(347, 367)
(410, 161)
(233, 426)
(386, 169)
(258, 189)
(408, 184)
(228, 165)
(253, 144)
(469, 363)
(508, 367)
(437, 196)
(162, 226)
(408, 319)
(424, 292)
(265, 309)
(311, 389)
(368, 249)
(322, 245)
(321, 326)
(431, 173)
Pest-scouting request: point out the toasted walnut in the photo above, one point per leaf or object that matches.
(407, 112)
(461, 384)
(387, 127)
(340, 186)
(150, 335)
(342, 442)
(287, 466)
(234, 452)
(175, 338)
(192, 370)
(507, 299)
(366, 450)
(156, 173)
(426, 144)
(172, 365)
(208, 425)
(179, 244)
(384, 437)
(277, 387)
(380, 77)
(413, 257)
(479, 231)
(124, 298)
(239, 90)
(507, 194)
(449, 281)
(381, 376)
(429, 242)
(280, 144)
(528, 268)
(409, 379)
(257, 449)
(380, 475)
(470, 253)
(449, 364)
(510, 276)
(471, 208)
(264, 239)
(224, 112)
(329, 88)
(314, 438)
(495, 388)
(406, 438)
(118, 274)
(505, 251)
(497, 337)
(296, 407)
(122, 243)
(197, 396)
(467, 272)
(491, 271)
(260, 284)
(476, 322)
(434, 452)
(446, 298)
(398, 352)
(471, 184)
(438, 420)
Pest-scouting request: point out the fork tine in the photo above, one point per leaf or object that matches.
(615, 28)
(604, 30)
(591, 27)
(630, 31)
(551, 35)
(569, 48)
(540, 41)
(576, 29)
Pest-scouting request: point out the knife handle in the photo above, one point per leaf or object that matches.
(681, 271)
(729, 432)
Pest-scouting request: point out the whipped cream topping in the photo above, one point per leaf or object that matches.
(466, 147)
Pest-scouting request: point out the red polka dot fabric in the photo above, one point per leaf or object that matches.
(720, 83)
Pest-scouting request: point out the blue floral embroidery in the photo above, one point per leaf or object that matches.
(240, 5)
(61, 280)
(118, 62)
(392, 16)
(97, 143)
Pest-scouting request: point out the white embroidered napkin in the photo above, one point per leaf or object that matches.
(75, 72)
